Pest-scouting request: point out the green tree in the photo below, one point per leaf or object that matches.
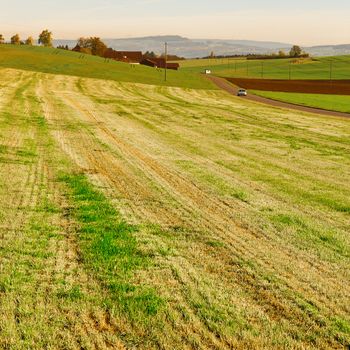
(295, 51)
(45, 38)
(281, 53)
(2, 39)
(29, 41)
(16, 40)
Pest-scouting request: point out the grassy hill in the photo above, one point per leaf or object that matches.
(339, 103)
(48, 60)
(140, 216)
(318, 68)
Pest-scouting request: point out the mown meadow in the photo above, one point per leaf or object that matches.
(143, 216)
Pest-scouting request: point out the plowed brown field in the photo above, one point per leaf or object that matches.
(335, 87)
(243, 209)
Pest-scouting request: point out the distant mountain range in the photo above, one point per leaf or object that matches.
(191, 48)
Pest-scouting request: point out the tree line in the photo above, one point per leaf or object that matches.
(91, 45)
(295, 52)
(45, 39)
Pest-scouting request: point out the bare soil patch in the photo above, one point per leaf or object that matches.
(329, 87)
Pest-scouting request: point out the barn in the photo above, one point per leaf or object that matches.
(124, 56)
(159, 63)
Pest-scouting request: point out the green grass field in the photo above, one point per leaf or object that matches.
(329, 102)
(283, 69)
(140, 216)
(318, 68)
(47, 60)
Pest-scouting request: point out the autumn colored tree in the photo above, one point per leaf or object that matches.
(98, 47)
(45, 38)
(83, 42)
(16, 40)
(93, 45)
(86, 50)
(2, 39)
(29, 41)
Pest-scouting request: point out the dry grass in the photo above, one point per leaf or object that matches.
(242, 212)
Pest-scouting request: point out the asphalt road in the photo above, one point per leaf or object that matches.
(232, 89)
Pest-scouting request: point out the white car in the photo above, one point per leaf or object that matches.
(242, 92)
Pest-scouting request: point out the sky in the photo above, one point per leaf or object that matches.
(303, 22)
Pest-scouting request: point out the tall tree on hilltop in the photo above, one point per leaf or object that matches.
(295, 51)
(93, 44)
(16, 40)
(45, 38)
(98, 47)
(2, 39)
(29, 41)
(83, 42)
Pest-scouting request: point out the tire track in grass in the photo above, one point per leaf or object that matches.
(34, 315)
(109, 253)
(174, 181)
(292, 283)
(136, 154)
(220, 228)
(112, 176)
(94, 159)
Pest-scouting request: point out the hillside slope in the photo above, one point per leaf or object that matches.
(48, 60)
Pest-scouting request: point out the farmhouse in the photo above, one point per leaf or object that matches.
(159, 63)
(124, 56)
(77, 48)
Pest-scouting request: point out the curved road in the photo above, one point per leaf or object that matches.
(232, 89)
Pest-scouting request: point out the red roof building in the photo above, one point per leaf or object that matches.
(159, 63)
(124, 56)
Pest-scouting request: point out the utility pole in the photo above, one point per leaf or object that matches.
(290, 70)
(330, 71)
(247, 68)
(262, 69)
(166, 61)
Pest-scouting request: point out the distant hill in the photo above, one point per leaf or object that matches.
(329, 50)
(188, 48)
(191, 48)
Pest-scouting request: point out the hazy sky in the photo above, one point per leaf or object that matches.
(304, 22)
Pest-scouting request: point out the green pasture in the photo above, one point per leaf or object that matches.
(49, 60)
(339, 103)
(312, 68)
